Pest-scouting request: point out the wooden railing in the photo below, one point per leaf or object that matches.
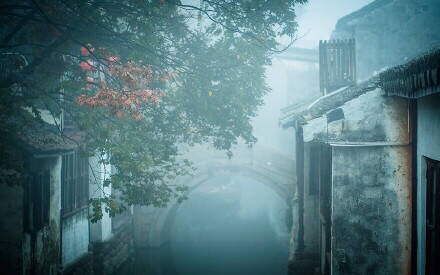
(337, 64)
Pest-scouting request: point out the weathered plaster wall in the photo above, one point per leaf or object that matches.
(369, 118)
(75, 236)
(389, 32)
(428, 145)
(371, 213)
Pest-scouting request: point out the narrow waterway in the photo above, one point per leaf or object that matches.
(230, 225)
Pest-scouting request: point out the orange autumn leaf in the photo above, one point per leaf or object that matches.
(129, 98)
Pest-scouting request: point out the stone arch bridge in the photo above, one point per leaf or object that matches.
(273, 169)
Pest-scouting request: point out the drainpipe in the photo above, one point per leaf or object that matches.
(300, 188)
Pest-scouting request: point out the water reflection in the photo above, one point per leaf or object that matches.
(230, 225)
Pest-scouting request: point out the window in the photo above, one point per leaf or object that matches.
(37, 201)
(432, 217)
(40, 199)
(75, 182)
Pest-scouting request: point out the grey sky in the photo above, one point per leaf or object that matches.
(317, 19)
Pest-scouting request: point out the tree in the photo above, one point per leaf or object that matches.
(139, 78)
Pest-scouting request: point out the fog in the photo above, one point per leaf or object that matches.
(231, 225)
(317, 19)
(292, 81)
(235, 225)
(176, 138)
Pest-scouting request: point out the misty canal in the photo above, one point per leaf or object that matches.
(229, 225)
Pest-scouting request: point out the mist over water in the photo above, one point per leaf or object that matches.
(230, 225)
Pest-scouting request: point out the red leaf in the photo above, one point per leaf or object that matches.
(85, 51)
(86, 66)
(113, 58)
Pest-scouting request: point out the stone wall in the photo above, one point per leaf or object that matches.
(389, 32)
(82, 266)
(110, 255)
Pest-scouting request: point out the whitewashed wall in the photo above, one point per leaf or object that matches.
(75, 236)
(101, 230)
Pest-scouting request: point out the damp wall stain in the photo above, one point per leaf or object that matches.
(371, 218)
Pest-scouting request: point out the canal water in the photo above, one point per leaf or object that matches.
(230, 225)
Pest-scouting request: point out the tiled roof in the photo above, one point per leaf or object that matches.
(417, 78)
(326, 103)
(36, 135)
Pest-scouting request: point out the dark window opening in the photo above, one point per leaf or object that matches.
(75, 182)
(37, 197)
(325, 206)
(432, 217)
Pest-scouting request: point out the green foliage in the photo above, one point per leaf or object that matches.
(216, 55)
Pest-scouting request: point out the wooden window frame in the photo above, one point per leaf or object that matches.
(75, 183)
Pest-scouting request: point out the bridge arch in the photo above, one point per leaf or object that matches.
(152, 225)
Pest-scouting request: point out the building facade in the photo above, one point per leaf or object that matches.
(45, 216)
(355, 184)
(367, 154)
(418, 82)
